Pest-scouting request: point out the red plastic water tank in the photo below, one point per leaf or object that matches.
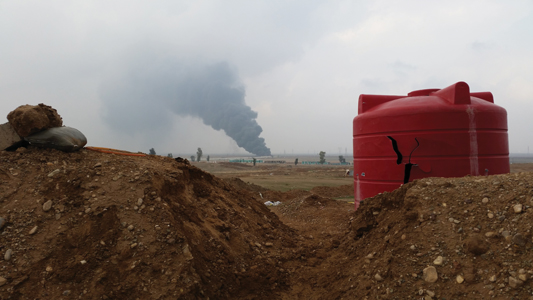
(428, 133)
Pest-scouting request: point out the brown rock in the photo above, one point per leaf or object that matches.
(514, 283)
(476, 245)
(519, 240)
(459, 279)
(430, 274)
(28, 119)
(8, 136)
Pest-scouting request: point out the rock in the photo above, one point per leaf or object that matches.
(97, 165)
(430, 293)
(269, 244)
(187, 252)
(522, 277)
(66, 292)
(54, 172)
(459, 279)
(64, 138)
(33, 230)
(8, 136)
(490, 215)
(438, 261)
(514, 282)
(2, 281)
(49, 269)
(28, 119)
(517, 208)
(430, 274)
(476, 245)
(2, 222)
(491, 234)
(130, 228)
(47, 205)
(506, 235)
(8, 254)
(519, 240)
(378, 277)
(139, 201)
(492, 278)
(485, 200)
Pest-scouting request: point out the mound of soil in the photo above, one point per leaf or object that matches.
(333, 192)
(99, 226)
(89, 225)
(241, 185)
(473, 233)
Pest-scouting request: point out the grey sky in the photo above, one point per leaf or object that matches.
(300, 64)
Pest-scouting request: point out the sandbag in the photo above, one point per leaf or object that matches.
(64, 138)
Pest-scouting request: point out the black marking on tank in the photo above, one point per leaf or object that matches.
(395, 148)
(409, 165)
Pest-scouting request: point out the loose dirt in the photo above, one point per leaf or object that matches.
(89, 225)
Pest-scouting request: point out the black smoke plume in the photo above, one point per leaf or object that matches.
(212, 93)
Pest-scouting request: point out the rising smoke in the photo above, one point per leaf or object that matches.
(212, 93)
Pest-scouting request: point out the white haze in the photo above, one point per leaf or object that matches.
(301, 65)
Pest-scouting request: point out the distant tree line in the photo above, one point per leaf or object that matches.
(198, 157)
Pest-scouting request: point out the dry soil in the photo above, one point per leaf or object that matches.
(88, 225)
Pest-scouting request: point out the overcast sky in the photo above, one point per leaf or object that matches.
(113, 68)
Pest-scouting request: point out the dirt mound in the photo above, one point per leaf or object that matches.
(475, 232)
(333, 192)
(241, 185)
(102, 226)
(315, 216)
(28, 119)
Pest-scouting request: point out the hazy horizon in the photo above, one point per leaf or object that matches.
(255, 76)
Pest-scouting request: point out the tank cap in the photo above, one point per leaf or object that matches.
(425, 92)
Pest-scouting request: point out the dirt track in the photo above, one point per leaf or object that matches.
(152, 228)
